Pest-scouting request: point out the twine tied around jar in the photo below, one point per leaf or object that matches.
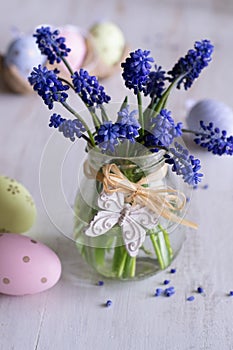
(164, 201)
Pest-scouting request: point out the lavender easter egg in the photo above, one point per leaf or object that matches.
(24, 54)
(209, 110)
(26, 265)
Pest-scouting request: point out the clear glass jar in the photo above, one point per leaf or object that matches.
(107, 253)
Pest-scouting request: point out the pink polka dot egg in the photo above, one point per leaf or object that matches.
(26, 265)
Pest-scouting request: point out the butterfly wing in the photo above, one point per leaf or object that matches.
(144, 217)
(112, 204)
(111, 201)
(101, 223)
(133, 235)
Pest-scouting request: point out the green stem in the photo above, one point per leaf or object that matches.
(140, 112)
(132, 269)
(67, 82)
(167, 241)
(195, 132)
(95, 118)
(72, 111)
(161, 104)
(155, 244)
(122, 264)
(86, 138)
(99, 256)
(145, 250)
(116, 259)
(67, 65)
(103, 114)
(82, 249)
(148, 112)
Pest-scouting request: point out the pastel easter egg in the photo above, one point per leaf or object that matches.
(210, 110)
(26, 265)
(109, 42)
(75, 40)
(24, 54)
(17, 208)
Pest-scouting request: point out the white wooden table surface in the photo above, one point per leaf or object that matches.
(71, 315)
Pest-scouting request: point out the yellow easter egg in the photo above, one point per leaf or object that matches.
(17, 208)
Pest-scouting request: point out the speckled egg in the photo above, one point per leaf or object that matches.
(17, 208)
(24, 54)
(210, 110)
(109, 42)
(26, 265)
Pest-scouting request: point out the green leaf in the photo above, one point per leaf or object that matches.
(124, 103)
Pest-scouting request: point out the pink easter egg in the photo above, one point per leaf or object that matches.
(26, 265)
(75, 40)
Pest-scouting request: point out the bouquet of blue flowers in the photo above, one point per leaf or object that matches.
(152, 127)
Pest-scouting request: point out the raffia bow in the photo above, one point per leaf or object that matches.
(163, 201)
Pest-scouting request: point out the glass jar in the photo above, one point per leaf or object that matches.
(107, 252)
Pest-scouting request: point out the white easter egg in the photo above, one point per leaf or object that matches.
(109, 41)
(210, 110)
(17, 208)
(24, 54)
(26, 265)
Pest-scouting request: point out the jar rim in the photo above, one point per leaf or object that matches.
(151, 155)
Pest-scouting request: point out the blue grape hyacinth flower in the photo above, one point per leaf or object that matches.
(68, 127)
(56, 120)
(136, 69)
(184, 164)
(51, 45)
(214, 140)
(71, 129)
(107, 136)
(48, 86)
(155, 84)
(129, 125)
(163, 129)
(89, 89)
(190, 66)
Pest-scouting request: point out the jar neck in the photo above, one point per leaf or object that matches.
(134, 168)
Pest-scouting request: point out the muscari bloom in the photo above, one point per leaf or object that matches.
(89, 89)
(155, 83)
(136, 69)
(129, 125)
(48, 86)
(184, 164)
(51, 45)
(190, 66)
(56, 120)
(108, 136)
(214, 140)
(127, 117)
(126, 128)
(163, 129)
(69, 128)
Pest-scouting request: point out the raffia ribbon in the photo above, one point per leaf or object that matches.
(163, 201)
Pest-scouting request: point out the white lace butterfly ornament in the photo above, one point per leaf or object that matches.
(133, 220)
